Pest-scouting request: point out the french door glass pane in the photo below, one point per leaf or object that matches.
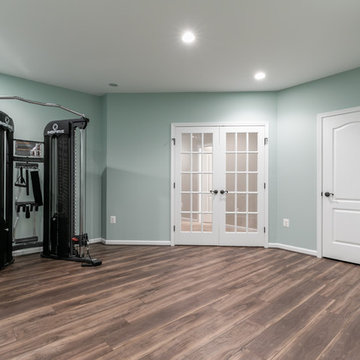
(206, 162)
(253, 162)
(195, 202)
(207, 222)
(196, 142)
(241, 203)
(241, 142)
(196, 182)
(252, 223)
(185, 202)
(185, 222)
(241, 223)
(253, 142)
(230, 142)
(206, 183)
(230, 182)
(241, 162)
(252, 182)
(230, 162)
(195, 162)
(186, 142)
(252, 201)
(206, 203)
(185, 182)
(241, 169)
(208, 142)
(230, 202)
(185, 162)
(241, 182)
(230, 223)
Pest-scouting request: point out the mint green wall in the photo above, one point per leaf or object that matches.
(29, 124)
(297, 113)
(129, 148)
(138, 153)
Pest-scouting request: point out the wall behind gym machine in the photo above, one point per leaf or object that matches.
(30, 121)
(138, 153)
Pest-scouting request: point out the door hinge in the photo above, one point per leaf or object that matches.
(173, 140)
(266, 141)
(264, 229)
(174, 185)
(174, 228)
(264, 185)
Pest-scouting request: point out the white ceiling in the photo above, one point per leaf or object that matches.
(86, 44)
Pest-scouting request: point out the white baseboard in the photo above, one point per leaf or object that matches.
(27, 251)
(293, 248)
(137, 242)
(96, 241)
(161, 243)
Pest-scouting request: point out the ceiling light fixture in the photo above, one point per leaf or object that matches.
(260, 75)
(188, 37)
(113, 84)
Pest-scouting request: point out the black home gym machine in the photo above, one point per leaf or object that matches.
(64, 234)
(6, 189)
(64, 192)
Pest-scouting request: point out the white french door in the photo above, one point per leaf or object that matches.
(341, 187)
(219, 192)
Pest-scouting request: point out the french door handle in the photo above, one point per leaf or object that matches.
(222, 192)
(214, 191)
(327, 194)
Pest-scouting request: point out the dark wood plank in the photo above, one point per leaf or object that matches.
(346, 344)
(313, 339)
(273, 338)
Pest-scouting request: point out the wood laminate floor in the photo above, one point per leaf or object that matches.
(181, 303)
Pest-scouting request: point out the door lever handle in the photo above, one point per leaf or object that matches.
(327, 194)
(222, 192)
(214, 191)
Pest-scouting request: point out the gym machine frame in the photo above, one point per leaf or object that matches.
(6, 189)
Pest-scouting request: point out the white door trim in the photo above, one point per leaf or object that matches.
(265, 124)
(319, 210)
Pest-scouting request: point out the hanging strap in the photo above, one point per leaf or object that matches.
(35, 180)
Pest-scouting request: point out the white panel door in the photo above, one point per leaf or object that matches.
(219, 185)
(341, 187)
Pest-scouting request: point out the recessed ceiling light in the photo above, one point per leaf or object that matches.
(113, 84)
(260, 75)
(188, 37)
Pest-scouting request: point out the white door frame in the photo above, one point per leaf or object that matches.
(265, 124)
(319, 209)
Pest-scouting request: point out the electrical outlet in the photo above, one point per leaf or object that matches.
(286, 223)
(112, 219)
